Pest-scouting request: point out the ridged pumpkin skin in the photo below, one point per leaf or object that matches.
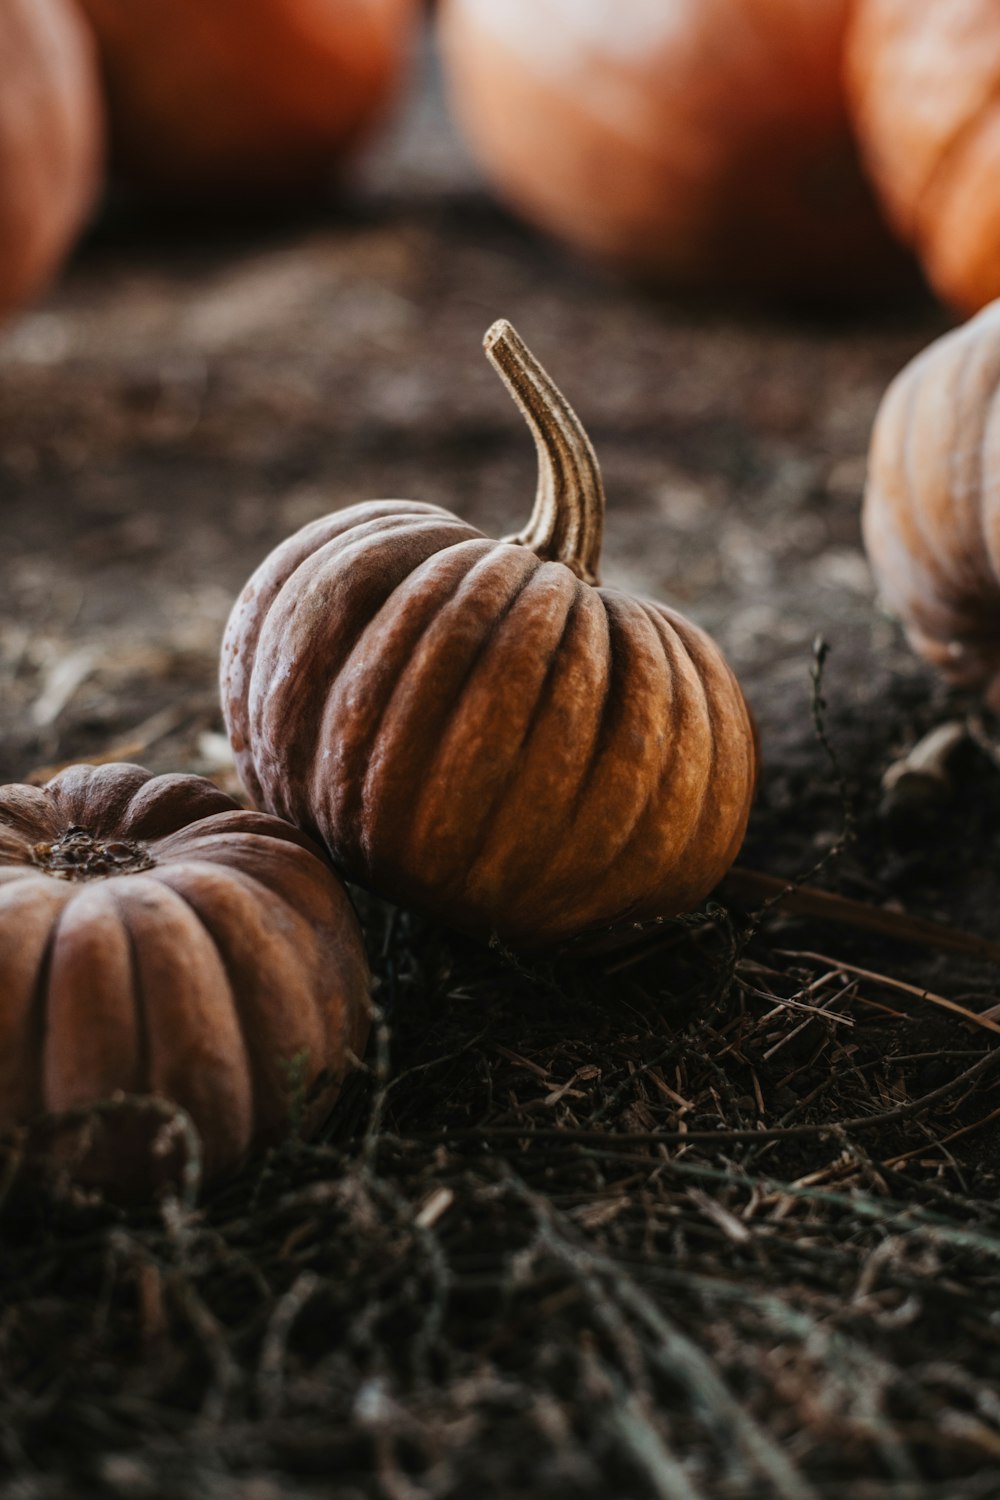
(932, 501)
(246, 96)
(481, 734)
(155, 938)
(924, 79)
(51, 140)
(698, 142)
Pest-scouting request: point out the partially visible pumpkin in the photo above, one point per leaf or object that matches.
(698, 142)
(155, 938)
(474, 727)
(51, 138)
(932, 502)
(924, 80)
(236, 97)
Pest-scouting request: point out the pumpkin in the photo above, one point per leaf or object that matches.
(241, 96)
(157, 939)
(932, 502)
(51, 139)
(925, 90)
(476, 728)
(697, 141)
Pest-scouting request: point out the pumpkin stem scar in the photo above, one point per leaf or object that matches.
(567, 522)
(78, 855)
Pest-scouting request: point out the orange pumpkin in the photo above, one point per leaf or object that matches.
(51, 138)
(476, 728)
(696, 141)
(155, 938)
(925, 87)
(932, 502)
(241, 96)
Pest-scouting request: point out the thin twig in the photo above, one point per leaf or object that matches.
(970, 1016)
(798, 900)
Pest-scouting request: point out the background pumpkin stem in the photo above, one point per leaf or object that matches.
(567, 522)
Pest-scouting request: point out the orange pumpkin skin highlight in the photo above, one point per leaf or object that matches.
(155, 938)
(478, 732)
(700, 142)
(932, 502)
(51, 140)
(241, 96)
(924, 81)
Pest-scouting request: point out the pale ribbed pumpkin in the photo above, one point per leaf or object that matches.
(155, 938)
(474, 727)
(51, 139)
(238, 97)
(924, 80)
(696, 142)
(932, 502)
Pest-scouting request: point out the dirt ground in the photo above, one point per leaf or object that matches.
(646, 1227)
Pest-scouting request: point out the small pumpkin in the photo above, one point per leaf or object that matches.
(51, 140)
(925, 91)
(699, 142)
(245, 96)
(156, 938)
(932, 502)
(476, 728)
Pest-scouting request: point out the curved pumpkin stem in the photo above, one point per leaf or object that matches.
(567, 522)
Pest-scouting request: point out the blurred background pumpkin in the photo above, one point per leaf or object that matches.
(701, 142)
(51, 139)
(236, 97)
(925, 85)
